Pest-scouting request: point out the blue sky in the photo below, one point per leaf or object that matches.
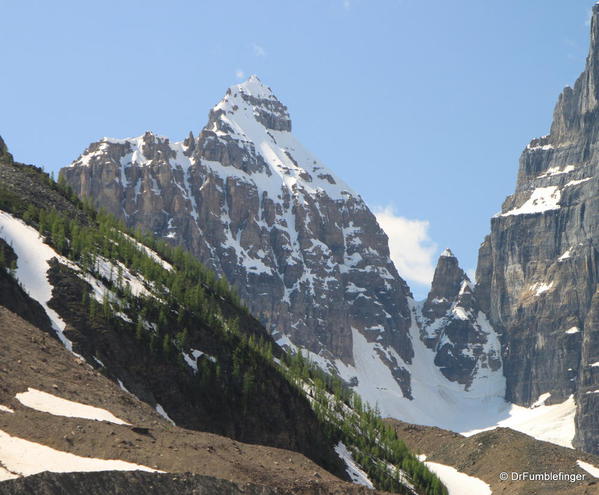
(423, 107)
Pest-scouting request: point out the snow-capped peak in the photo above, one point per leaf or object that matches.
(254, 101)
(254, 87)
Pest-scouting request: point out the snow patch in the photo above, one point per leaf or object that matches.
(192, 358)
(356, 474)
(152, 254)
(122, 386)
(540, 288)
(160, 410)
(6, 409)
(573, 330)
(458, 483)
(20, 457)
(554, 423)
(555, 170)
(567, 254)
(541, 200)
(589, 468)
(45, 402)
(32, 266)
(576, 182)
(541, 400)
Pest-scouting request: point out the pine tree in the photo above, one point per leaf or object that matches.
(167, 345)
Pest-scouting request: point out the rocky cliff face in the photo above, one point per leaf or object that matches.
(453, 325)
(538, 269)
(247, 199)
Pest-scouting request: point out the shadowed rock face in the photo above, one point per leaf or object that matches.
(244, 196)
(538, 269)
(455, 328)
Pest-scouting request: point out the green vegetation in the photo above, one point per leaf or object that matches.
(164, 309)
(374, 445)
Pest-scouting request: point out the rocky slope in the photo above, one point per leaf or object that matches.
(247, 199)
(488, 454)
(139, 483)
(538, 269)
(36, 437)
(103, 309)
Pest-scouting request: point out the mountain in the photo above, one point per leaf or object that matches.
(309, 258)
(248, 200)
(121, 352)
(517, 349)
(466, 345)
(537, 275)
(298, 244)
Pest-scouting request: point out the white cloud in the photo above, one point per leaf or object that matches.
(346, 4)
(239, 74)
(412, 250)
(259, 51)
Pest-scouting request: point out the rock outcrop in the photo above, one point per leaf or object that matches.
(538, 269)
(302, 249)
(453, 325)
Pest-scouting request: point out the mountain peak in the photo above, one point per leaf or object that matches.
(448, 278)
(256, 88)
(447, 253)
(253, 100)
(583, 98)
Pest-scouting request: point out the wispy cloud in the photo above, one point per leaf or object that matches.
(239, 74)
(258, 50)
(346, 4)
(412, 250)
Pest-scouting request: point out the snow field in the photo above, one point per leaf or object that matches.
(468, 412)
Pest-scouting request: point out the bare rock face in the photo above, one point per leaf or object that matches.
(538, 269)
(303, 249)
(466, 346)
